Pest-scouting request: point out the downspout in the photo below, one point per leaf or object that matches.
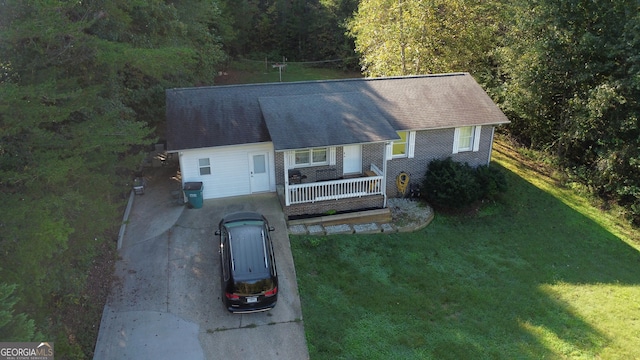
(493, 130)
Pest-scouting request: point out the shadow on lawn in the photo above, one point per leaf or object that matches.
(539, 259)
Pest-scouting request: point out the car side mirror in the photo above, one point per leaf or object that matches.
(271, 228)
(217, 232)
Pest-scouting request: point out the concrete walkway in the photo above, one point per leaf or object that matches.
(407, 216)
(318, 229)
(167, 303)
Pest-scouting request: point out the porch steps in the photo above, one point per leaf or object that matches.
(389, 220)
(354, 218)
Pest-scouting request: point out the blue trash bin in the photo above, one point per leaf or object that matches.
(193, 191)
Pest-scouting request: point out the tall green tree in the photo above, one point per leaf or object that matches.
(153, 45)
(64, 133)
(13, 327)
(402, 37)
(301, 30)
(81, 89)
(333, 32)
(572, 86)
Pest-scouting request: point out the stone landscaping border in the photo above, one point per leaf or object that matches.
(358, 223)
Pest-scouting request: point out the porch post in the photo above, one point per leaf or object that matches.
(287, 200)
(384, 174)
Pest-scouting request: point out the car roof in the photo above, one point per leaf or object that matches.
(248, 249)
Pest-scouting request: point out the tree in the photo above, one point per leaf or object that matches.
(300, 30)
(572, 86)
(152, 45)
(13, 327)
(402, 37)
(81, 87)
(64, 132)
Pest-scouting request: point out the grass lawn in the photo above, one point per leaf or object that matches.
(253, 72)
(538, 274)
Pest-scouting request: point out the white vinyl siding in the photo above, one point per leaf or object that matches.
(230, 173)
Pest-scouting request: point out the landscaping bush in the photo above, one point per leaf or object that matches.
(450, 184)
(491, 181)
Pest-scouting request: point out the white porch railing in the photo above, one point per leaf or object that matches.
(373, 184)
(333, 190)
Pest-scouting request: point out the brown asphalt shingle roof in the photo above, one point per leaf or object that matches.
(322, 113)
(306, 121)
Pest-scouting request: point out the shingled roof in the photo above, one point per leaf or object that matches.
(324, 113)
(306, 121)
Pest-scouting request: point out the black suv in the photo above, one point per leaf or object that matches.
(249, 276)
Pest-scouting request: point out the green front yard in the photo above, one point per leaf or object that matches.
(539, 274)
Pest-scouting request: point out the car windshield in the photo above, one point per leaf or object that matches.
(253, 287)
(234, 224)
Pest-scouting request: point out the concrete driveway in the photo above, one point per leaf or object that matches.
(167, 303)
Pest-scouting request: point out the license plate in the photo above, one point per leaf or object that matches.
(252, 299)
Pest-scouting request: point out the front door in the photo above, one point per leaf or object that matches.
(259, 168)
(352, 159)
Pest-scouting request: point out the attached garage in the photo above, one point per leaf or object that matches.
(220, 141)
(230, 170)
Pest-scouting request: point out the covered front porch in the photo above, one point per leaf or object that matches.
(331, 151)
(327, 194)
(371, 182)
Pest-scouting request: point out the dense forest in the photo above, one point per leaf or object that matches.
(82, 91)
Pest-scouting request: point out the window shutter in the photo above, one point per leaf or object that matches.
(332, 155)
(389, 150)
(456, 140)
(476, 138)
(411, 144)
(291, 155)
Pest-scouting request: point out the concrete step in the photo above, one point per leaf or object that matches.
(358, 217)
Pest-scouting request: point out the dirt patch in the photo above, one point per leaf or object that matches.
(404, 211)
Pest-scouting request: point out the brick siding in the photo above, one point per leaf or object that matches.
(436, 144)
(324, 207)
(430, 145)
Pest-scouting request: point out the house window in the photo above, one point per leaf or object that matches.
(465, 142)
(466, 139)
(400, 146)
(403, 148)
(311, 157)
(205, 166)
